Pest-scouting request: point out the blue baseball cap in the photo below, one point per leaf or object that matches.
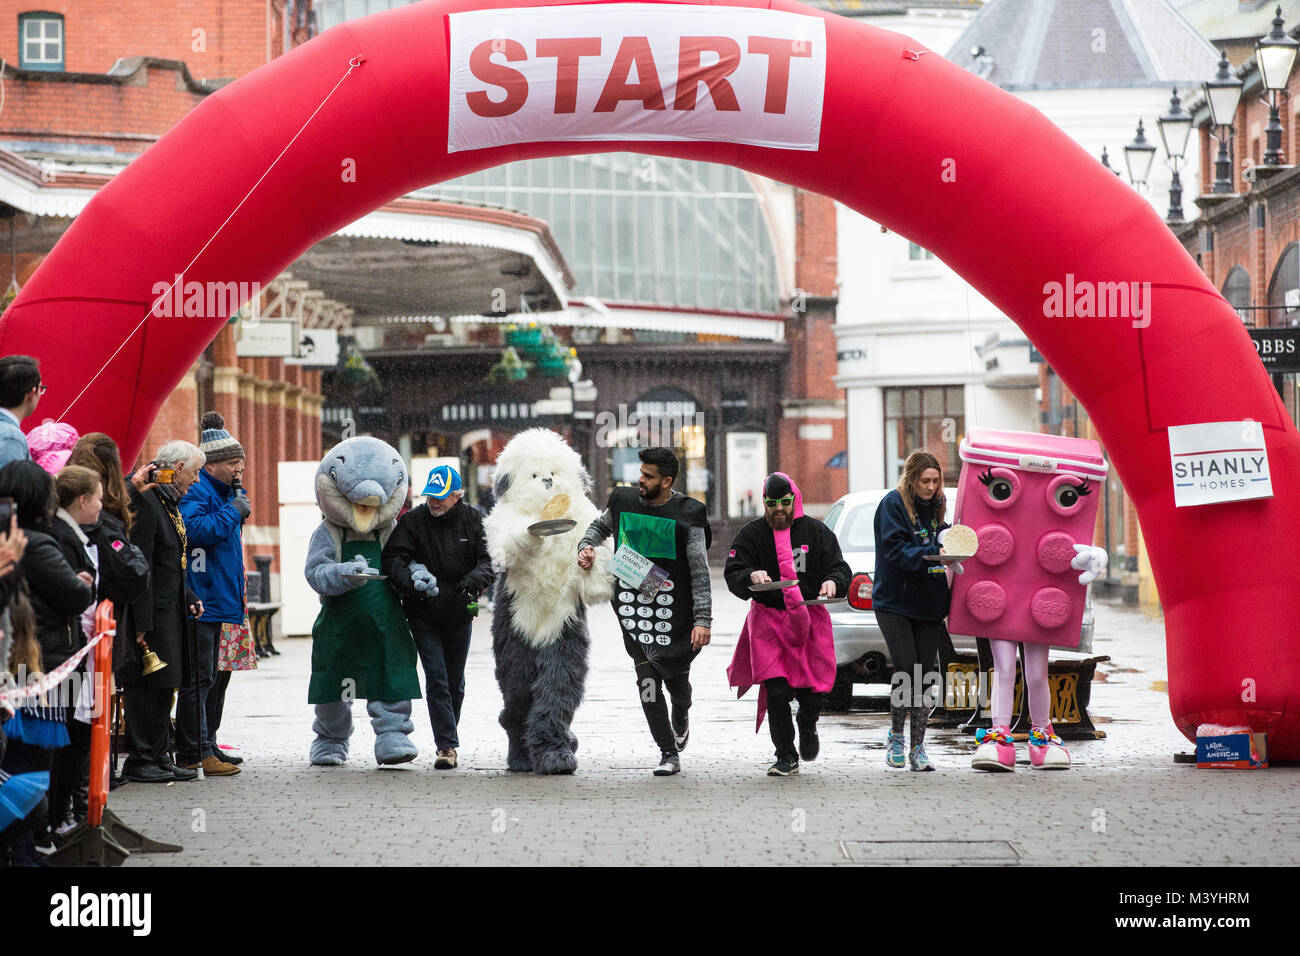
(443, 480)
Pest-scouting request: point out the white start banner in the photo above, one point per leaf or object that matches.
(626, 71)
(1216, 462)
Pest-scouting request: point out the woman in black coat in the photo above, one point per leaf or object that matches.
(158, 615)
(59, 591)
(123, 571)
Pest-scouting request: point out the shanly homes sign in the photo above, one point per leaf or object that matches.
(1279, 349)
(629, 71)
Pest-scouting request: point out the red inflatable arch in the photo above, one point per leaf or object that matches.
(432, 91)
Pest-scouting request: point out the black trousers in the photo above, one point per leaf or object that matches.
(443, 651)
(194, 736)
(148, 724)
(216, 701)
(779, 721)
(914, 648)
(70, 774)
(650, 686)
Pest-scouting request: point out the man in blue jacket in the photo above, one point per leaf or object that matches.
(214, 511)
(20, 391)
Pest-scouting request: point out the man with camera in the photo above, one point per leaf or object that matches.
(214, 511)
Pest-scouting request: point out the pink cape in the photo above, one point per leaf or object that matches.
(795, 643)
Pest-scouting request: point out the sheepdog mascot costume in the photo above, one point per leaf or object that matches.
(539, 622)
(361, 645)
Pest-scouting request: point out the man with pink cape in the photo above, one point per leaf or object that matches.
(786, 646)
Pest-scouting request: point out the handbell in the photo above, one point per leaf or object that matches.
(151, 663)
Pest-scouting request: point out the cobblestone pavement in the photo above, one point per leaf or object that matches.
(1125, 802)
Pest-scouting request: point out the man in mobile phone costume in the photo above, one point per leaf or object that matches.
(1032, 500)
(361, 644)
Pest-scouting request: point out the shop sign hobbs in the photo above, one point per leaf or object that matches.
(1216, 462)
(1279, 349)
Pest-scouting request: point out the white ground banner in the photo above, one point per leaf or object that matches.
(625, 71)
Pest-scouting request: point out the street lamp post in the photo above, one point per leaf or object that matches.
(1223, 93)
(1138, 156)
(1175, 130)
(1105, 161)
(1275, 55)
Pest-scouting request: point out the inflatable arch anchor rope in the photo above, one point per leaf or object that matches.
(353, 64)
(988, 184)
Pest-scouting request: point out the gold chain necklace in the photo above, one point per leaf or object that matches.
(179, 523)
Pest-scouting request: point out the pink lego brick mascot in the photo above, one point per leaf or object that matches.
(1032, 499)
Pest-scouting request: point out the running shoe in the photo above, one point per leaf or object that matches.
(919, 760)
(809, 744)
(784, 767)
(896, 754)
(669, 765)
(681, 729)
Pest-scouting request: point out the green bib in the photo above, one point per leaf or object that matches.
(361, 644)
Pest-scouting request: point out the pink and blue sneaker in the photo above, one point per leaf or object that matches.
(1046, 752)
(996, 750)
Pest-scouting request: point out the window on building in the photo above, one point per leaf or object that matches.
(930, 418)
(40, 41)
(1237, 291)
(1284, 290)
(915, 252)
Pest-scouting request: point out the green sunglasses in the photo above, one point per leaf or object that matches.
(783, 502)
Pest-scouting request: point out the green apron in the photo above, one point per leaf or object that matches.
(361, 644)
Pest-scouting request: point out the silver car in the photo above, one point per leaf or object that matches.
(861, 656)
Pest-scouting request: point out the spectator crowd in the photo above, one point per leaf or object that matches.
(163, 544)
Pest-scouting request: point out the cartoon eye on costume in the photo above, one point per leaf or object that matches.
(1065, 493)
(1001, 485)
(334, 474)
(1070, 495)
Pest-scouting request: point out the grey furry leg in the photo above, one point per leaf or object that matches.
(391, 721)
(333, 728)
(516, 667)
(512, 718)
(557, 692)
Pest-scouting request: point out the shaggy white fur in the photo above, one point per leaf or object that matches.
(544, 576)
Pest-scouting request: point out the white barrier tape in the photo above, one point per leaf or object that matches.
(54, 677)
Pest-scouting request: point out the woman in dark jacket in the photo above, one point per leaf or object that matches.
(910, 595)
(158, 616)
(59, 593)
(122, 577)
(80, 496)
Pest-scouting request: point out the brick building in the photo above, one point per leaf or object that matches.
(1247, 238)
(739, 324)
(89, 86)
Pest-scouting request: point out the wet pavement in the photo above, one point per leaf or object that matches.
(1124, 802)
